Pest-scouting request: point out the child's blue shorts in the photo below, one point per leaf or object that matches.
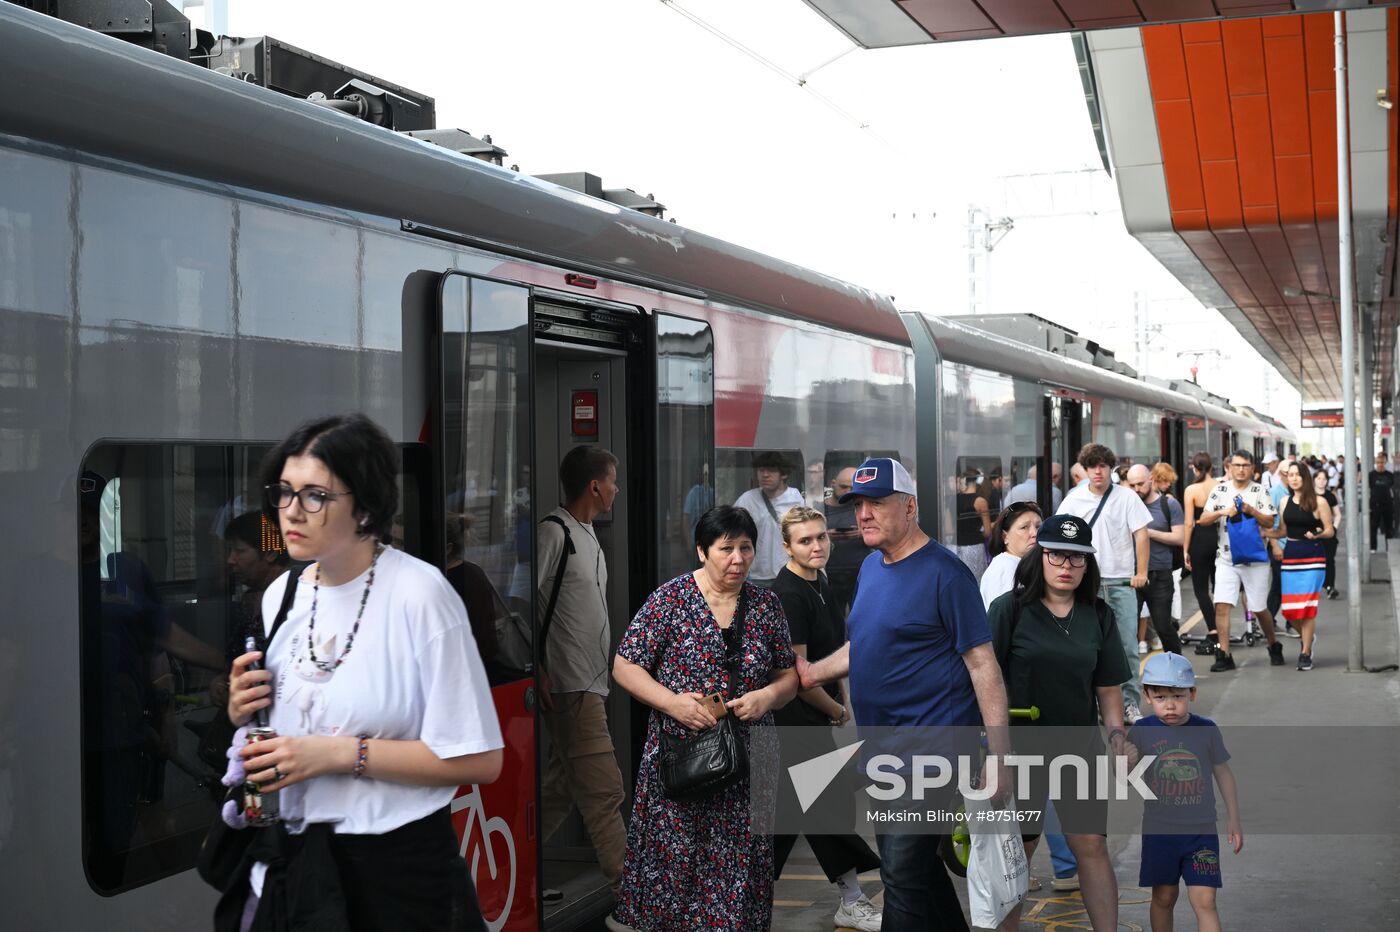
(1169, 859)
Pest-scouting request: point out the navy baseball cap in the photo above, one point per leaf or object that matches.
(1065, 532)
(878, 477)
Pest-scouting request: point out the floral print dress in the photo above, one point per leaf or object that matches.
(696, 865)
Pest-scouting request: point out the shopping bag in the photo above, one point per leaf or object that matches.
(997, 873)
(1246, 543)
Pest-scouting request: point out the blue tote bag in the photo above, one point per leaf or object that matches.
(1246, 543)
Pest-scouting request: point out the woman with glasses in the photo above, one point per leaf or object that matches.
(1012, 535)
(379, 699)
(1059, 651)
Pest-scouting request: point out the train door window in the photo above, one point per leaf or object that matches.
(736, 471)
(486, 389)
(175, 553)
(977, 496)
(685, 442)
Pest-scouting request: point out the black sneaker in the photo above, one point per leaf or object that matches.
(1305, 661)
(1332, 593)
(1276, 654)
(1207, 647)
(1223, 662)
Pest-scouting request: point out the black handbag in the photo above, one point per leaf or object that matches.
(702, 765)
(221, 854)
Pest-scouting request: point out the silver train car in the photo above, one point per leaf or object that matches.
(190, 266)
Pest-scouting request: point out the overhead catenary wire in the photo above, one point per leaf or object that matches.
(800, 81)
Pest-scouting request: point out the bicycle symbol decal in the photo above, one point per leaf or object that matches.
(495, 825)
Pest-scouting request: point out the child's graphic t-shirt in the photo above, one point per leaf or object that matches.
(1182, 776)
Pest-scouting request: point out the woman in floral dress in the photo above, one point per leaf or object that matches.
(696, 865)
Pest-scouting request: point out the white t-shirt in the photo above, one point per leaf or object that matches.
(413, 673)
(769, 555)
(1123, 515)
(999, 577)
(577, 649)
(1223, 495)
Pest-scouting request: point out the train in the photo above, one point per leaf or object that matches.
(191, 264)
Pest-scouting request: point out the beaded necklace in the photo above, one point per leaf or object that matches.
(329, 666)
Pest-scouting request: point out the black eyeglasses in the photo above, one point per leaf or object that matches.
(280, 495)
(1060, 558)
(1240, 465)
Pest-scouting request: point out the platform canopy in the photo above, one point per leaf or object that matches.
(1217, 119)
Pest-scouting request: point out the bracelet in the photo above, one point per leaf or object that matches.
(362, 759)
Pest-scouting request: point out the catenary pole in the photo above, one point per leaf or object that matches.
(1354, 479)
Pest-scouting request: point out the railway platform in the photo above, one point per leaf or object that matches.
(1277, 882)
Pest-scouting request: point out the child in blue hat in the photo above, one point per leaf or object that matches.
(1179, 839)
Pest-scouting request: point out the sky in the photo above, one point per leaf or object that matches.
(867, 172)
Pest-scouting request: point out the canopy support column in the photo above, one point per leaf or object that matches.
(1350, 524)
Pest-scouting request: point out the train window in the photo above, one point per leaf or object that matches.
(175, 554)
(685, 369)
(486, 382)
(735, 470)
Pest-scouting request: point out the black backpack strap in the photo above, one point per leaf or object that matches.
(288, 596)
(567, 549)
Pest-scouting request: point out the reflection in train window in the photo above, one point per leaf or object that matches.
(735, 471)
(486, 440)
(175, 555)
(685, 421)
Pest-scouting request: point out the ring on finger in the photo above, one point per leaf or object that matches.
(277, 775)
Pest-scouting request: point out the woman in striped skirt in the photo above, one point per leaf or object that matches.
(1307, 522)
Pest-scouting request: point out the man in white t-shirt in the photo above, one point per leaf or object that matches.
(576, 655)
(1269, 476)
(1119, 520)
(1238, 496)
(766, 505)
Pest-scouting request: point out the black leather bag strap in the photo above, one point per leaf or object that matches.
(1099, 510)
(288, 596)
(741, 616)
(567, 549)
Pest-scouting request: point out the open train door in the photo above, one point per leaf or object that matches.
(480, 440)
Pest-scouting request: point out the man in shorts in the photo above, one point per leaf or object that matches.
(1239, 494)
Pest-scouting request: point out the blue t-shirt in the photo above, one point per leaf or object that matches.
(1278, 493)
(909, 626)
(1182, 777)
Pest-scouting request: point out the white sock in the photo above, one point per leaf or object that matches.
(849, 884)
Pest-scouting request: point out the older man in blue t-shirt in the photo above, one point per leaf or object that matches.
(919, 654)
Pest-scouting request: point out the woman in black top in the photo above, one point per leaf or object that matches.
(814, 618)
(1307, 522)
(1059, 650)
(974, 525)
(1201, 540)
(1329, 545)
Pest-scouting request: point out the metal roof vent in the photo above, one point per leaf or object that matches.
(592, 185)
(459, 140)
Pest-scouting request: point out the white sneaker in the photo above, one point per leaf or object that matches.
(616, 926)
(861, 915)
(1131, 713)
(1156, 643)
(1142, 648)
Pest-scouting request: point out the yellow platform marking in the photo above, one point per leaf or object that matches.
(1067, 911)
(794, 904)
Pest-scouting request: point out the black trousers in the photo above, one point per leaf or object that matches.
(1381, 519)
(1157, 596)
(1329, 544)
(1275, 584)
(1203, 578)
(837, 854)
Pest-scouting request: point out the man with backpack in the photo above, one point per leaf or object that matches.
(574, 644)
(1166, 530)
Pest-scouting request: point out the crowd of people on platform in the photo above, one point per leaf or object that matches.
(795, 616)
